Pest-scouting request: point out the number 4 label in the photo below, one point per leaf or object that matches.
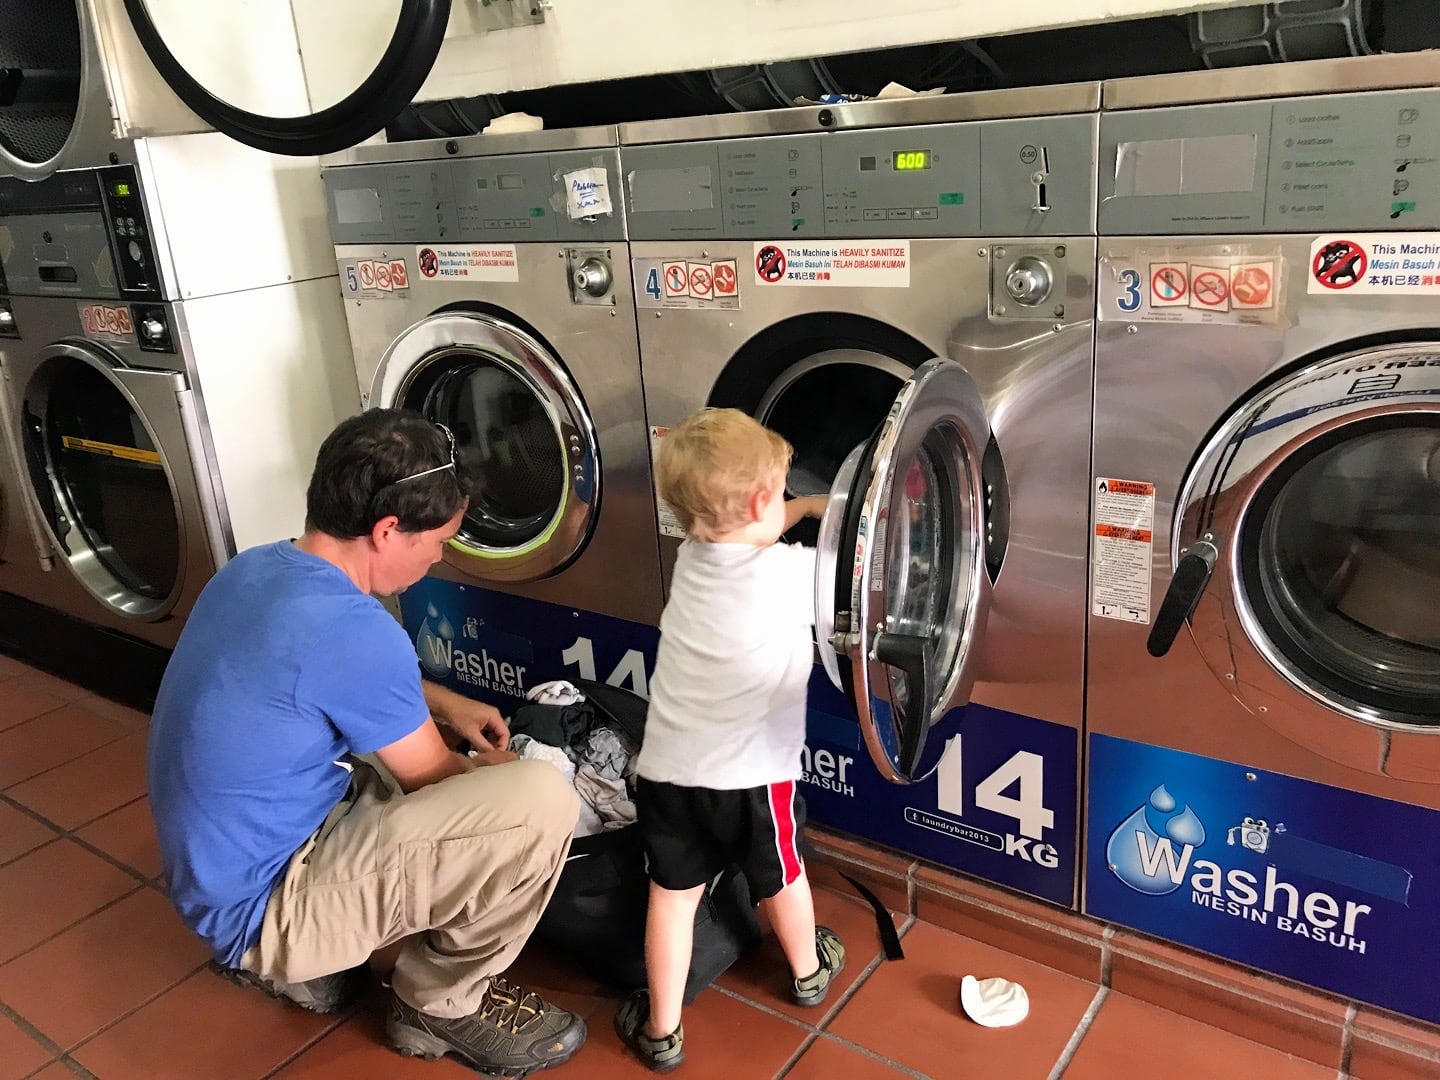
(1024, 770)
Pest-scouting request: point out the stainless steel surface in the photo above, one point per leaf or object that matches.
(482, 145)
(21, 570)
(1390, 71)
(1162, 393)
(898, 112)
(616, 570)
(1036, 384)
(155, 387)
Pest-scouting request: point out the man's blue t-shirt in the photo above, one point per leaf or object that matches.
(284, 667)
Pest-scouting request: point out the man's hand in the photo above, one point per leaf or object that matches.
(480, 758)
(474, 720)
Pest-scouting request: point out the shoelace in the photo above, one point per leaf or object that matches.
(509, 1003)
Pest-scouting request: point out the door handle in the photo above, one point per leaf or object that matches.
(1186, 588)
(915, 657)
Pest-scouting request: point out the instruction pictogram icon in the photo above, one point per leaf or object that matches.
(701, 282)
(770, 263)
(1209, 288)
(726, 280)
(1340, 264)
(1252, 285)
(1169, 284)
(677, 279)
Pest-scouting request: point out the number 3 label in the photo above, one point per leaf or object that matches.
(1130, 299)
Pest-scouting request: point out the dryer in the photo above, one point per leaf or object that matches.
(905, 291)
(171, 370)
(1263, 699)
(485, 287)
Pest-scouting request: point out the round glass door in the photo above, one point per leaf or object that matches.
(377, 55)
(522, 431)
(40, 66)
(101, 484)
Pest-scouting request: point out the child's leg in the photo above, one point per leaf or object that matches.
(669, 937)
(792, 914)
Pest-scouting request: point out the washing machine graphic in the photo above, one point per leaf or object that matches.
(1263, 679)
(485, 287)
(905, 291)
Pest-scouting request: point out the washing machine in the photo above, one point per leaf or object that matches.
(19, 555)
(173, 350)
(905, 291)
(485, 287)
(1263, 700)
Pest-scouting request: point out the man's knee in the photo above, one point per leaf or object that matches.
(550, 799)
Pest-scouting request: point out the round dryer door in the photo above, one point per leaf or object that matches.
(1308, 557)
(212, 55)
(522, 430)
(41, 57)
(104, 491)
(910, 543)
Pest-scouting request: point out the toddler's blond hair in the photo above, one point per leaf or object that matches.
(711, 463)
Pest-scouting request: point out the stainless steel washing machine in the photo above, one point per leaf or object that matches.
(19, 556)
(118, 311)
(485, 287)
(1264, 666)
(905, 291)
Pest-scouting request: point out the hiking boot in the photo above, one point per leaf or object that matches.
(812, 989)
(512, 1033)
(659, 1055)
(327, 994)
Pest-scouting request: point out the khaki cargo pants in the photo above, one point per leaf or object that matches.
(461, 869)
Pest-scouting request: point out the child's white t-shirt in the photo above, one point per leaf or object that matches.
(727, 701)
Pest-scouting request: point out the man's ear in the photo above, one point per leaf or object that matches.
(384, 531)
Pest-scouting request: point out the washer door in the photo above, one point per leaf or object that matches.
(522, 429)
(907, 553)
(1307, 556)
(210, 55)
(105, 492)
(41, 58)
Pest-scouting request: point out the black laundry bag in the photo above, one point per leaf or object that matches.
(597, 913)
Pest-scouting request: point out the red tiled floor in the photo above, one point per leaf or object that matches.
(909, 1010)
(21, 701)
(10, 667)
(95, 973)
(128, 835)
(52, 739)
(205, 1027)
(1131, 1038)
(58, 1071)
(131, 719)
(19, 833)
(88, 787)
(826, 1059)
(36, 679)
(764, 977)
(45, 891)
(537, 968)
(20, 1055)
(357, 1051)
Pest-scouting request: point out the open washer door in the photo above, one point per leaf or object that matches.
(909, 547)
(214, 56)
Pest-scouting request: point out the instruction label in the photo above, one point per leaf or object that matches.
(1124, 546)
(1192, 287)
(468, 262)
(587, 193)
(664, 516)
(374, 279)
(687, 283)
(1406, 263)
(883, 264)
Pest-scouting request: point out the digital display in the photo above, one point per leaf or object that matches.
(911, 160)
(120, 190)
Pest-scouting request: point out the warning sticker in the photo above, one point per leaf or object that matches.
(881, 265)
(1191, 286)
(468, 262)
(1406, 263)
(374, 279)
(1124, 545)
(681, 283)
(664, 516)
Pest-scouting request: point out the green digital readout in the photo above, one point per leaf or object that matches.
(120, 190)
(911, 160)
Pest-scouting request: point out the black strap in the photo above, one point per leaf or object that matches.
(889, 938)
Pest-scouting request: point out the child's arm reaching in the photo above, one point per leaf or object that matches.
(809, 506)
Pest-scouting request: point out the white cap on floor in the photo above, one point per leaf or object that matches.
(994, 1002)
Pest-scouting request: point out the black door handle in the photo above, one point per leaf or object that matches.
(1186, 588)
(915, 657)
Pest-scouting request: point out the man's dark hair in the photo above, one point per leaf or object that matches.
(368, 468)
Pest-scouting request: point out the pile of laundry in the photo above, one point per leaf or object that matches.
(559, 725)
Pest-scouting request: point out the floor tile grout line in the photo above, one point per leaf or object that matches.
(873, 1055)
(1347, 1038)
(1078, 1035)
(810, 1040)
(71, 926)
(79, 1070)
(340, 1020)
(88, 1039)
(68, 761)
(74, 834)
(38, 1036)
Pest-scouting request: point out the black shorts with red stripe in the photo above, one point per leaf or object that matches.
(693, 833)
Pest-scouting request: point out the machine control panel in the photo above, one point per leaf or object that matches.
(971, 179)
(81, 233)
(1315, 164)
(511, 199)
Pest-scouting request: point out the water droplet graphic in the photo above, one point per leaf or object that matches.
(1186, 828)
(1160, 798)
(1147, 851)
(432, 645)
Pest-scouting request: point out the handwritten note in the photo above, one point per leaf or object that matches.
(587, 193)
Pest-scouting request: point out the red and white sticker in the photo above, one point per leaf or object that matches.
(1191, 284)
(690, 283)
(468, 262)
(727, 280)
(1210, 288)
(1123, 548)
(374, 279)
(1169, 284)
(702, 281)
(1252, 286)
(107, 322)
(1354, 263)
(879, 264)
(664, 516)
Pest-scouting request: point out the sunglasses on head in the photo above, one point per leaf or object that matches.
(449, 438)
